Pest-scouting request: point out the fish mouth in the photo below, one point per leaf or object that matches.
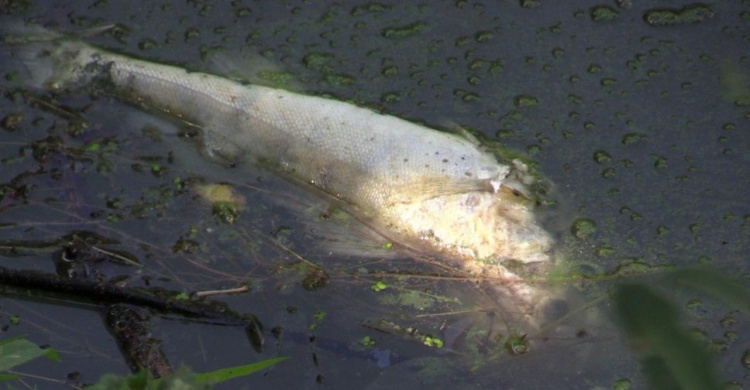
(523, 241)
(535, 245)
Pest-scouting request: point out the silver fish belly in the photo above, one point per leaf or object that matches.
(422, 189)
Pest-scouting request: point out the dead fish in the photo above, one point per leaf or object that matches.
(424, 190)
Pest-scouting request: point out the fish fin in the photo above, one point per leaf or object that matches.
(523, 179)
(221, 63)
(521, 175)
(153, 126)
(463, 132)
(26, 59)
(332, 225)
(330, 220)
(20, 33)
(93, 31)
(16, 32)
(252, 69)
(344, 235)
(44, 57)
(434, 187)
(31, 54)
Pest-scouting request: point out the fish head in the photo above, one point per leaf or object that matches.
(483, 226)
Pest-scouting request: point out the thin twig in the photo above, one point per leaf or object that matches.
(45, 378)
(116, 256)
(225, 291)
(296, 255)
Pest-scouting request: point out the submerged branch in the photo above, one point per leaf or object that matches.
(108, 293)
(133, 334)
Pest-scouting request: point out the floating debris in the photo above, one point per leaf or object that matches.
(226, 202)
(316, 279)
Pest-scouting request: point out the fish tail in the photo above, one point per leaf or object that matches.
(20, 49)
(45, 59)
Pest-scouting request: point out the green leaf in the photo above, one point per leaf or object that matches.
(182, 379)
(139, 380)
(6, 377)
(17, 351)
(715, 284)
(669, 355)
(52, 354)
(225, 374)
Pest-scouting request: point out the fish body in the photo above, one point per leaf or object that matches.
(421, 188)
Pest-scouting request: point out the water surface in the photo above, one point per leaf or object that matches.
(642, 129)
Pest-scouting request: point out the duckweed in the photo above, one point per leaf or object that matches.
(404, 31)
(517, 345)
(603, 13)
(525, 101)
(693, 13)
(583, 227)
